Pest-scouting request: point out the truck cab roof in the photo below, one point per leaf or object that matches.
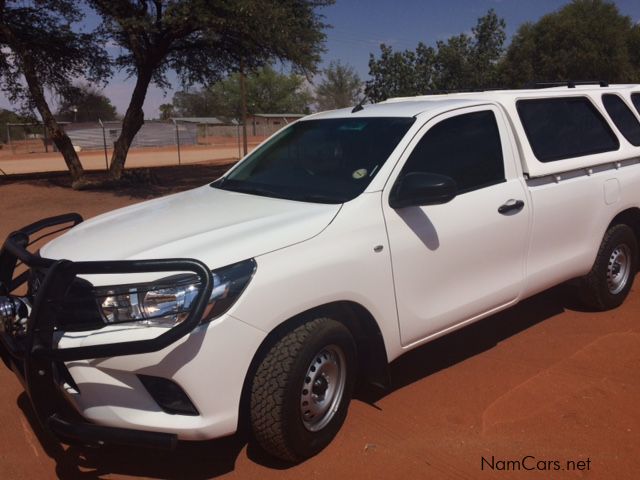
(508, 100)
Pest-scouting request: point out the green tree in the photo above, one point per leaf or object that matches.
(461, 62)
(193, 103)
(489, 37)
(39, 50)
(400, 74)
(340, 87)
(201, 40)
(634, 46)
(267, 92)
(585, 40)
(166, 111)
(85, 104)
(471, 61)
(454, 64)
(7, 116)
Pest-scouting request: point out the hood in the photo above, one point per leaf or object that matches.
(215, 226)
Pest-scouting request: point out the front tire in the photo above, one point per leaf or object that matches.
(611, 278)
(302, 388)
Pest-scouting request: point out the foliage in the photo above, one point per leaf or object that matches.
(397, 74)
(202, 40)
(39, 50)
(585, 40)
(40, 34)
(267, 92)
(166, 111)
(194, 103)
(7, 116)
(340, 87)
(90, 104)
(470, 62)
(462, 61)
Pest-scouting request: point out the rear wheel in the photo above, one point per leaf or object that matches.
(612, 275)
(302, 389)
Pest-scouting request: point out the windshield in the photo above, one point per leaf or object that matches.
(324, 161)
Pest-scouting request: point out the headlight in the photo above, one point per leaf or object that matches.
(168, 301)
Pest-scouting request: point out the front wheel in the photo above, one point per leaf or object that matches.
(302, 389)
(612, 275)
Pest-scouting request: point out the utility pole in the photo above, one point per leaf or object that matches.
(177, 139)
(243, 107)
(104, 142)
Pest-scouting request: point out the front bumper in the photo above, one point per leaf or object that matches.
(104, 374)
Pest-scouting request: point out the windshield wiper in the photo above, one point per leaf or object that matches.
(251, 189)
(241, 187)
(318, 198)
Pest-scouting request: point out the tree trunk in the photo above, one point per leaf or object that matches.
(57, 134)
(243, 108)
(131, 123)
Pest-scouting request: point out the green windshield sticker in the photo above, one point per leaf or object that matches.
(360, 173)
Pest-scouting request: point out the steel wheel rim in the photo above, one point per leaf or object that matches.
(323, 388)
(619, 269)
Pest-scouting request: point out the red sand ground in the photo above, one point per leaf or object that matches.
(543, 379)
(213, 149)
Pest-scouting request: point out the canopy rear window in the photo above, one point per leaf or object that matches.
(623, 117)
(635, 98)
(565, 127)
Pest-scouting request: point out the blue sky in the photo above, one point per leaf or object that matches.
(359, 26)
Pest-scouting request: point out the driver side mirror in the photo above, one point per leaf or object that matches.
(420, 189)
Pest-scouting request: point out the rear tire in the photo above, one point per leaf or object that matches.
(302, 388)
(611, 278)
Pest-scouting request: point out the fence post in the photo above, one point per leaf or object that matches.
(104, 141)
(238, 135)
(44, 131)
(177, 140)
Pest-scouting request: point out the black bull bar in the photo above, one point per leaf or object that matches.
(36, 359)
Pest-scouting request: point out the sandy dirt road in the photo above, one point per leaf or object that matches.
(543, 381)
(142, 157)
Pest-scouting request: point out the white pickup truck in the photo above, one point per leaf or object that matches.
(342, 242)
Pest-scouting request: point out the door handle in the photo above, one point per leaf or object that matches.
(512, 206)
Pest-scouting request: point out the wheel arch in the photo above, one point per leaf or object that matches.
(630, 217)
(370, 346)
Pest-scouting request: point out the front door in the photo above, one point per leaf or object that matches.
(457, 261)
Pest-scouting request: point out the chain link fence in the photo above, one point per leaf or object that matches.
(174, 141)
(24, 138)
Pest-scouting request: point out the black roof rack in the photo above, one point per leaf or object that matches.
(571, 83)
(462, 90)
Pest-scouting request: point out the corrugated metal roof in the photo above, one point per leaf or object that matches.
(151, 134)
